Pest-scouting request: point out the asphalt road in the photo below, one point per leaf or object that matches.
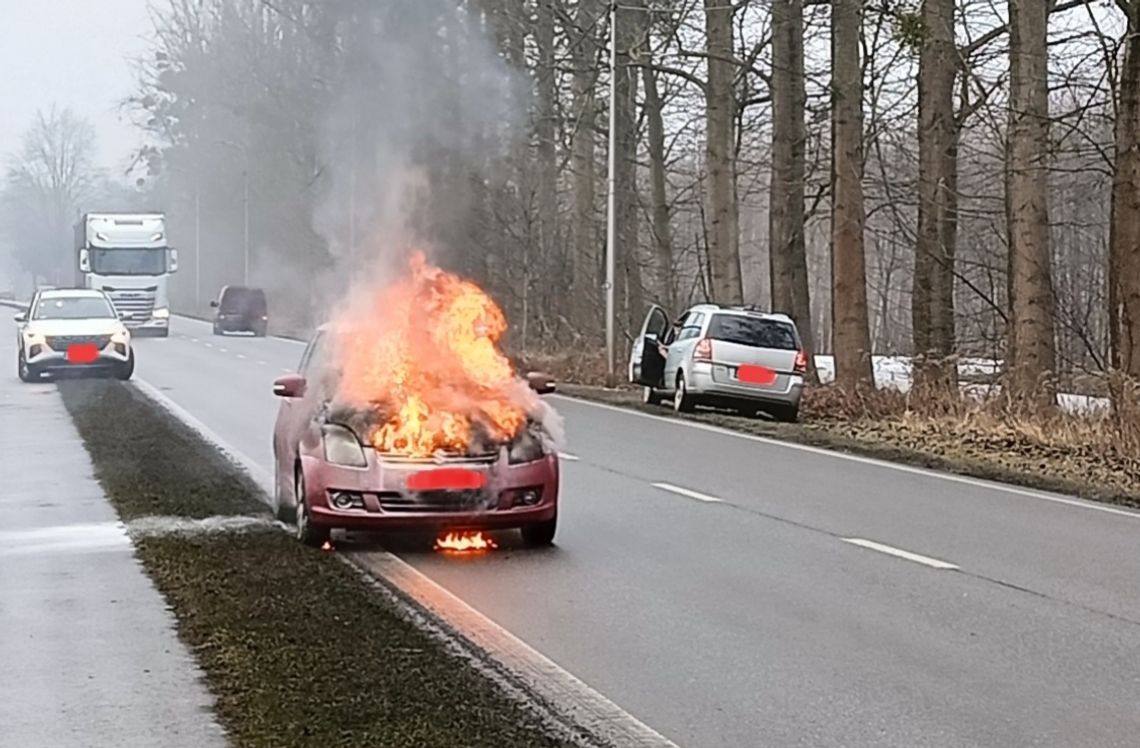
(734, 592)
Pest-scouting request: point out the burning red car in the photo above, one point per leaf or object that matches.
(408, 417)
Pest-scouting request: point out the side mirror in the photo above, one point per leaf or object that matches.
(290, 385)
(213, 303)
(173, 260)
(651, 336)
(21, 317)
(84, 261)
(541, 383)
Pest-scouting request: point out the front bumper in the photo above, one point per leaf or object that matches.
(388, 505)
(713, 381)
(40, 356)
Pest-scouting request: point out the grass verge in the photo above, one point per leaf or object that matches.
(296, 648)
(1063, 459)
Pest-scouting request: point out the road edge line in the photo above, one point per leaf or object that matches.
(561, 692)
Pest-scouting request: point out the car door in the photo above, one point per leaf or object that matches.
(646, 364)
(682, 346)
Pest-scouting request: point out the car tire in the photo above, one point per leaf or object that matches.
(650, 396)
(539, 534)
(125, 371)
(217, 330)
(25, 371)
(785, 413)
(311, 535)
(682, 400)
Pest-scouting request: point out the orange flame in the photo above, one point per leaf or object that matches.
(465, 541)
(425, 353)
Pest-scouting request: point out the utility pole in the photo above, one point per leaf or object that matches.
(245, 240)
(611, 217)
(197, 249)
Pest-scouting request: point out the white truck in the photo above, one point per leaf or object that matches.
(126, 256)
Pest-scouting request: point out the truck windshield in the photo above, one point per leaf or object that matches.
(74, 307)
(128, 261)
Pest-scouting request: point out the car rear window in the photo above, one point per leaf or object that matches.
(753, 332)
(244, 300)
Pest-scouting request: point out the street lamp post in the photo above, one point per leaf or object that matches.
(611, 218)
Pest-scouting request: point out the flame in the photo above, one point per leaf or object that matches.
(326, 546)
(424, 353)
(465, 541)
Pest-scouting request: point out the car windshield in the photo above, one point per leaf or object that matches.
(74, 307)
(128, 261)
(753, 332)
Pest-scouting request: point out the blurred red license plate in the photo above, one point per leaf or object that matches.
(82, 353)
(446, 479)
(755, 374)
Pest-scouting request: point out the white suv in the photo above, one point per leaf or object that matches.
(735, 356)
(74, 329)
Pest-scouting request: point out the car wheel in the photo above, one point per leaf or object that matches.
(785, 413)
(682, 400)
(126, 370)
(307, 532)
(539, 534)
(25, 371)
(284, 511)
(650, 396)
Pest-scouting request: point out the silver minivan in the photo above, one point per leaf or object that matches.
(719, 355)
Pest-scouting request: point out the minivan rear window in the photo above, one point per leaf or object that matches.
(251, 300)
(753, 332)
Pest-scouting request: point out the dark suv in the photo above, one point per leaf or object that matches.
(241, 309)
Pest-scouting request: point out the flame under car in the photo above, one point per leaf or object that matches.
(328, 477)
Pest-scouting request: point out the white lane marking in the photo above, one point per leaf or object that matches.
(193, 340)
(204, 323)
(263, 363)
(961, 479)
(899, 553)
(241, 355)
(568, 457)
(222, 350)
(688, 493)
(209, 345)
(578, 703)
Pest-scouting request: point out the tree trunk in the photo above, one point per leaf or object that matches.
(662, 231)
(932, 297)
(787, 248)
(631, 301)
(1124, 263)
(720, 149)
(545, 129)
(1031, 366)
(583, 147)
(851, 330)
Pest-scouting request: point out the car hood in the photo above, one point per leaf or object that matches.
(54, 327)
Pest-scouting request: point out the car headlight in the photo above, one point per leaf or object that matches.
(162, 313)
(342, 447)
(527, 448)
(121, 336)
(33, 337)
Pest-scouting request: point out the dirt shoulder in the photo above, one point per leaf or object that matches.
(1062, 459)
(296, 647)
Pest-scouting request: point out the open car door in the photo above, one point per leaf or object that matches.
(646, 364)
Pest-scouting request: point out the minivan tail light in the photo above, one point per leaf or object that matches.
(800, 366)
(703, 351)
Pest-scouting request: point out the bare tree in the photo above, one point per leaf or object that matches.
(932, 299)
(1124, 262)
(46, 184)
(1032, 359)
(720, 154)
(852, 336)
(787, 248)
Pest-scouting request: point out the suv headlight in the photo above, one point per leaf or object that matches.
(161, 313)
(342, 447)
(121, 336)
(527, 448)
(31, 336)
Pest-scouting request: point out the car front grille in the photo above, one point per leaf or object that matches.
(133, 303)
(436, 501)
(63, 342)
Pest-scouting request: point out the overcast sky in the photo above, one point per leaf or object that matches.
(73, 53)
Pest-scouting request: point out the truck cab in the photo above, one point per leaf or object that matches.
(126, 256)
